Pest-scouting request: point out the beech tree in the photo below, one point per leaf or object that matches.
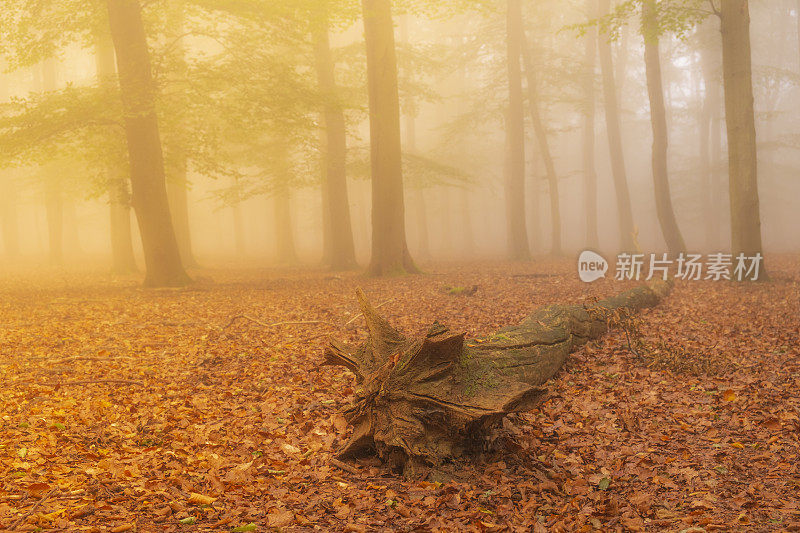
(149, 191)
(389, 248)
(338, 231)
(589, 116)
(119, 196)
(614, 133)
(658, 119)
(515, 136)
(740, 122)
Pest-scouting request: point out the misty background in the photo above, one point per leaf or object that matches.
(238, 104)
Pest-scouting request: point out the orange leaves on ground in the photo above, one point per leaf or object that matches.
(233, 429)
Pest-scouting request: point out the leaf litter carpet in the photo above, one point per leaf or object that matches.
(204, 409)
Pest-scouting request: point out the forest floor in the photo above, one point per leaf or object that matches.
(221, 420)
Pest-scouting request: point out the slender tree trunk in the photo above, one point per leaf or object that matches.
(519, 247)
(621, 62)
(740, 119)
(238, 224)
(8, 215)
(417, 192)
(55, 220)
(334, 148)
(717, 165)
(389, 249)
(710, 145)
(589, 112)
(658, 119)
(410, 147)
(177, 172)
(615, 138)
(178, 198)
(8, 205)
(54, 206)
(467, 230)
(534, 222)
(72, 240)
(284, 228)
(544, 148)
(238, 231)
(123, 261)
(149, 191)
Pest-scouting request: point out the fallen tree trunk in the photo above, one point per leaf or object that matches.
(431, 398)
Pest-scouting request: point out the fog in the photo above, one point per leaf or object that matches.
(239, 108)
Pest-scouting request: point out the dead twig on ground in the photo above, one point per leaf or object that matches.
(95, 381)
(24, 517)
(344, 466)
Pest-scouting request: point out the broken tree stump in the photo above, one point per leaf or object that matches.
(431, 398)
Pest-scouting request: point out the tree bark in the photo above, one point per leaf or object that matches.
(177, 174)
(122, 256)
(389, 248)
(8, 194)
(178, 198)
(589, 113)
(410, 147)
(544, 148)
(519, 248)
(149, 191)
(710, 145)
(284, 228)
(123, 260)
(55, 220)
(341, 249)
(8, 216)
(658, 120)
(740, 119)
(53, 195)
(428, 399)
(615, 138)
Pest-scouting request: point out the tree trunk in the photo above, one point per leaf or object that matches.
(8, 216)
(589, 111)
(238, 223)
(53, 197)
(467, 229)
(621, 62)
(8, 200)
(410, 147)
(123, 261)
(178, 198)
(615, 138)
(519, 247)
(544, 149)
(389, 248)
(710, 145)
(427, 399)
(658, 120)
(284, 228)
(534, 194)
(72, 239)
(55, 220)
(740, 118)
(149, 191)
(341, 250)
